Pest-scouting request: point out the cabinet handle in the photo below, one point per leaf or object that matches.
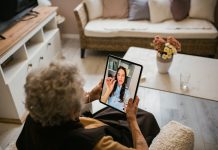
(29, 67)
(40, 59)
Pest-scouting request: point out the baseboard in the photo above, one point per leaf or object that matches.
(6, 120)
(70, 36)
(17, 121)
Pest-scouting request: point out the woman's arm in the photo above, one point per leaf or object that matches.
(95, 92)
(109, 87)
(138, 139)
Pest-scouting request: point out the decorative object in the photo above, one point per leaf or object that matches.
(166, 48)
(163, 65)
(138, 10)
(157, 6)
(115, 8)
(180, 9)
(197, 6)
(174, 135)
(95, 8)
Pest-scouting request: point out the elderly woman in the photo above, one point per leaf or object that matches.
(54, 99)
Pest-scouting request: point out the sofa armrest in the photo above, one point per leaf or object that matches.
(81, 15)
(174, 136)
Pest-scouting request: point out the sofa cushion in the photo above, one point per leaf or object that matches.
(159, 10)
(203, 9)
(180, 9)
(185, 29)
(95, 8)
(174, 136)
(115, 8)
(138, 10)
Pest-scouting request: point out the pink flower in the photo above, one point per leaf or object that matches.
(174, 42)
(158, 43)
(166, 47)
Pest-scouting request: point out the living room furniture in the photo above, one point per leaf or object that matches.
(197, 36)
(28, 44)
(196, 108)
(203, 82)
(172, 136)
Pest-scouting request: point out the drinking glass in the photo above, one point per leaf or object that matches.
(184, 80)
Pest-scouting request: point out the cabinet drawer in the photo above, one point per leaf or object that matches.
(37, 61)
(53, 47)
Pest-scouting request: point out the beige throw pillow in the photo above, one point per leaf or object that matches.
(203, 9)
(159, 10)
(174, 136)
(115, 8)
(95, 8)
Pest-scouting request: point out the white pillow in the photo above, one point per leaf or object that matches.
(159, 10)
(174, 136)
(95, 8)
(203, 9)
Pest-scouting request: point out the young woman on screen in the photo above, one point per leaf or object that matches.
(117, 95)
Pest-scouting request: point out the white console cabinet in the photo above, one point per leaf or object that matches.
(28, 44)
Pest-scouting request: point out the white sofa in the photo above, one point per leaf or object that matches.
(198, 35)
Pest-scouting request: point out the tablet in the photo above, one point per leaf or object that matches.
(120, 82)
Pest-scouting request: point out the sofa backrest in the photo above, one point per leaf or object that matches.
(91, 7)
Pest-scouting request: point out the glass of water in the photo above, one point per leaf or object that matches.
(184, 80)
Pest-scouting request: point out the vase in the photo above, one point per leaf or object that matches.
(163, 65)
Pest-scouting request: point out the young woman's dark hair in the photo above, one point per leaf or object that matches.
(122, 91)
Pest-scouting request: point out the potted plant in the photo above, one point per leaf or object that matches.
(166, 48)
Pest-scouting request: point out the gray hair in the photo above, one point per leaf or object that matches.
(54, 94)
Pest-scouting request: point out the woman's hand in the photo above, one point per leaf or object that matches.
(109, 88)
(132, 108)
(137, 137)
(95, 92)
(110, 83)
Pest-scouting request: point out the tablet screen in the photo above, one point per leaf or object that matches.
(120, 83)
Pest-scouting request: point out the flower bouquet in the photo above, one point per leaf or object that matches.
(166, 48)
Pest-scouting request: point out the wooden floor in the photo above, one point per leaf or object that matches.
(199, 114)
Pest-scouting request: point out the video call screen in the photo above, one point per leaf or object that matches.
(120, 83)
